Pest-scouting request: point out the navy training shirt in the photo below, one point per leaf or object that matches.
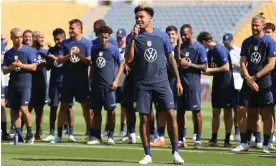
(257, 52)
(218, 57)
(104, 62)
(150, 51)
(74, 69)
(39, 77)
(20, 78)
(56, 68)
(171, 75)
(2, 48)
(196, 54)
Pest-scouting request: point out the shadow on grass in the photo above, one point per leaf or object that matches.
(74, 160)
(85, 160)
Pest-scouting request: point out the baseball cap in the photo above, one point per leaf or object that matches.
(121, 33)
(227, 38)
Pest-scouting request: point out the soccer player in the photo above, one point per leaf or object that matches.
(257, 61)
(121, 42)
(56, 82)
(104, 58)
(4, 135)
(270, 30)
(161, 121)
(193, 62)
(234, 52)
(75, 55)
(219, 65)
(19, 61)
(97, 25)
(148, 49)
(38, 91)
(28, 38)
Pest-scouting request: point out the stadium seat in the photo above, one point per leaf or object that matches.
(202, 16)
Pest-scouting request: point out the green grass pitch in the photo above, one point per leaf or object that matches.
(80, 154)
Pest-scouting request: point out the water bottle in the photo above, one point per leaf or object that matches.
(15, 140)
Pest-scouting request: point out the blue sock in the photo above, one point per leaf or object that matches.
(4, 127)
(237, 130)
(258, 138)
(227, 137)
(174, 147)
(266, 139)
(184, 133)
(71, 130)
(97, 133)
(29, 130)
(106, 127)
(122, 127)
(132, 130)
(271, 137)
(155, 133)
(243, 137)
(147, 150)
(111, 133)
(161, 131)
(180, 135)
(92, 131)
(60, 132)
(66, 127)
(19, 132)
(52, 129)
(214, 137)
(248, 135)
(198, 136)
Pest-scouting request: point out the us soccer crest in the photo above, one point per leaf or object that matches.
(39, 57)
(16, 68)
(15, 57)
(101, 53)
(149, 43)
(256, 48)
(187, 54)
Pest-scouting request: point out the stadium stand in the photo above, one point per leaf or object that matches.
(244, 30)
(200, 16)
(43, 16)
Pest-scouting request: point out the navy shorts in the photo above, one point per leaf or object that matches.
(236, 94)
(2, 91)
(162, 96)
(38, 94)
(119, 95)
(189, 100)
(222, 98)
(18, 97)
(262, 99)
(128, 90)
(102, 97)
(273, 78)
(79, 90)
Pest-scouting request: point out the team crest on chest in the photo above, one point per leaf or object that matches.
(149, 43)
(16, 68)
(101, 53)
(39, 57)
(256, 48)
(187, 54)
(16, 57)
